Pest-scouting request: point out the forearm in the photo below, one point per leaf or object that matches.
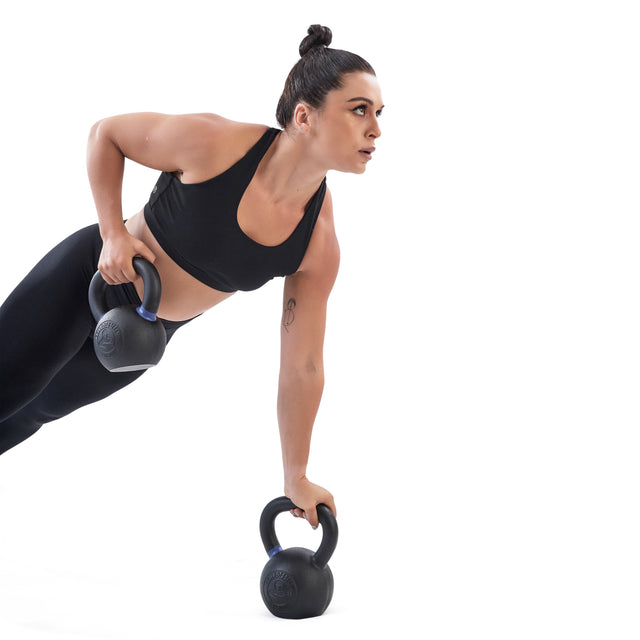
(105, 168)
(299, 397)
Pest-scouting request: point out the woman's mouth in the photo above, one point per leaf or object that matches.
(367, 153)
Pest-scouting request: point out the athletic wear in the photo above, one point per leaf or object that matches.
(48, 367)
(197, 226)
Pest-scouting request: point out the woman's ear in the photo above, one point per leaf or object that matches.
(301, 117)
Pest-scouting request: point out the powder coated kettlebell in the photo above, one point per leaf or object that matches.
(128, 338)
(296, 582)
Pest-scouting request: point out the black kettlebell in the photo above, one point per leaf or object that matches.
(128, 338)
(296, 582)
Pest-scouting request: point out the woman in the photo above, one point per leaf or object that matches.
(236, 204)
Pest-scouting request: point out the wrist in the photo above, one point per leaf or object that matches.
(293, 477)
(112, 230)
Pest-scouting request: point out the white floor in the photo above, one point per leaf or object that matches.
(126, 549)
(532, 539)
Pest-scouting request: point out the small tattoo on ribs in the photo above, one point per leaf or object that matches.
(288, 315)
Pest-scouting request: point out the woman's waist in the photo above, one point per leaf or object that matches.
(183, 295)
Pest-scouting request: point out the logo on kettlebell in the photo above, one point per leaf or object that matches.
(280, 588)
(107, 338)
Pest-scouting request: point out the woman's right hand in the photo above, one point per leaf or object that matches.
(116, 259)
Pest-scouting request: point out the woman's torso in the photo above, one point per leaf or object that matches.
(183, 295)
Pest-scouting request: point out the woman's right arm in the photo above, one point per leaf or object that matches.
(162, 142)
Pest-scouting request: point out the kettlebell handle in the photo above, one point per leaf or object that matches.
(150, 299)
(325, 516)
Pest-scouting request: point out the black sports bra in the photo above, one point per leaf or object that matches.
(197, 226)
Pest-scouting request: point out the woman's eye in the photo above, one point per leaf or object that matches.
(361, 109)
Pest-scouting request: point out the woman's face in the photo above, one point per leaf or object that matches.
(345, 129)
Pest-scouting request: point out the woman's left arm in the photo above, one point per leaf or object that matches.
(301, 362)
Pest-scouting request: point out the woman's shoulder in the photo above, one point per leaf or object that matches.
(322, 258)
(222, 130)
(222, 141)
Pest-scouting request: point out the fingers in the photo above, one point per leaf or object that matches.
(144, 252)
(116, 259)
(306, 496)
(119, 277)
(112, 277)
(332, 505)
(311, 513)
(116, 270)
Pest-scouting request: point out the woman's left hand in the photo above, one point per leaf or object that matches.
(307, 496)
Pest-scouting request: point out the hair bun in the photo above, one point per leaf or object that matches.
(319, 36)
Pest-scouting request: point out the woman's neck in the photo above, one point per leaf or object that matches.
(289, 171)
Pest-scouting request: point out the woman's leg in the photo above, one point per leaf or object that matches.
(46, 320)
(48, 367)
(83, 380)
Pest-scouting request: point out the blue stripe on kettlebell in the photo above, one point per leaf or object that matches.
(276, 550)
(147, 315)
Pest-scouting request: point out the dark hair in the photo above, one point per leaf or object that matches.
(319, 70)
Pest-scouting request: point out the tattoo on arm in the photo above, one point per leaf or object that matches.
(288, 315)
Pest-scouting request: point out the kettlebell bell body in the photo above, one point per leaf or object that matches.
(296, 582)
(128, 338)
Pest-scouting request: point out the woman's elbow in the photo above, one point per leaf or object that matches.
(94, 132)
(309, 369)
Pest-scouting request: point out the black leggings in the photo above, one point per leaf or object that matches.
(47, 364)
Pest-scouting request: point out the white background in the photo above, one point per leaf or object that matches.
(479, 427)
